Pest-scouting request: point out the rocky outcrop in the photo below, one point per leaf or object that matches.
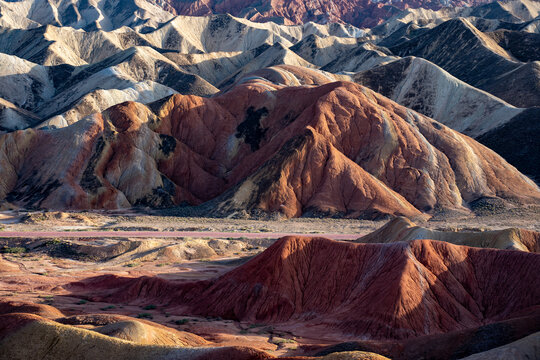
(260, 152)
(424, 87)
(477, 59)
(376, 291)
(402, 229)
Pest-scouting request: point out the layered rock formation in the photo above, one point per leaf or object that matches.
(260, 152)
(448, 87)
(321, 50)
(65, 94)
(89, 15)
(116, 326)
(477, 59)
(120, 104)
(63, 62)
(123, 252)
(54, 76)
(522, 45)
(288, 75)
(363, 57)
(506, 15)
(150, 14)
(402, 229)
(357, 12)
(376, 291)
(424, 87)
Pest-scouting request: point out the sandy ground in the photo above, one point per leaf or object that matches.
(141, 221)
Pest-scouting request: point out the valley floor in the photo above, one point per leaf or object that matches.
(132, 220)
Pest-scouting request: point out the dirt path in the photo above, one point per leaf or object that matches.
(163, 234)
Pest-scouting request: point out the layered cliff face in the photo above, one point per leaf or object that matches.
(338, 148)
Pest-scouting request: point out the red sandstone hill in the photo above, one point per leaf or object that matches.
(335, 149)
(377, 291)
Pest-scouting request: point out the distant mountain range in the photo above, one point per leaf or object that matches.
(142, 14)
(361, 13)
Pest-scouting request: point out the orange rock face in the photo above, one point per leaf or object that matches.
(377, 291)
(334, 149)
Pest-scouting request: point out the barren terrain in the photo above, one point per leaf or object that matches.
(47, 268)
(247, 180)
